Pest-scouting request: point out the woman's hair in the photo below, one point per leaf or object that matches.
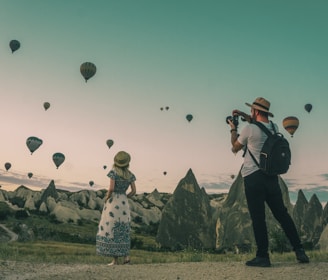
(123, 172)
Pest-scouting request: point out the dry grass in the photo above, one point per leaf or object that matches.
(59, 252)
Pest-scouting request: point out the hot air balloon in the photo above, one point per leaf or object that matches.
(167, 108)
(46, 105)
(164, 172)
(290, 124)
(189, 117)
(308, 107)
(162, 108)
(58, 159)
(30, 175)
(33, 143)
(232, 176)
(14, 45)
(7, 165)
(109, 143)
(105, 166)
(91, 183)
(88, 70)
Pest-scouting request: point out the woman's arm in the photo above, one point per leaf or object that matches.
(133, 190)
(110, 189)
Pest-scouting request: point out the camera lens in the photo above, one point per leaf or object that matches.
(229, 118)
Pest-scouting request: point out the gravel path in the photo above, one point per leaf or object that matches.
(174, 271)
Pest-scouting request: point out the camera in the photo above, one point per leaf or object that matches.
(234, 120)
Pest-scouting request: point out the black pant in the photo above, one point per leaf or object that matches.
(260, 188)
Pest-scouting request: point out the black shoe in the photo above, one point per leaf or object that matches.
(301, 256)
(260, 262)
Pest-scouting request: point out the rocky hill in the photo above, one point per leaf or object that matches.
(187, 218)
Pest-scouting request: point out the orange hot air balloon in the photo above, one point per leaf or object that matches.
(291, 124)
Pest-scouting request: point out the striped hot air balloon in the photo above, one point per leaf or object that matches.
(291, 124)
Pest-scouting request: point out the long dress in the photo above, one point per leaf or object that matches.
(113, 236)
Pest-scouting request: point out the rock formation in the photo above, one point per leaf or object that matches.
(50, 191)
(323, 241)
(234, 227)
(187, 218)
(299, 212)
(312, 222)
(325, 215)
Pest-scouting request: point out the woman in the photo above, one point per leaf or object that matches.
(113, 237)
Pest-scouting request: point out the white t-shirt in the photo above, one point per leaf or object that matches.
(252, 136)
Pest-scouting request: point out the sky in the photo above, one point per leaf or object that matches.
(203, 58)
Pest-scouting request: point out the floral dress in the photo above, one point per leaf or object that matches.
(113, 236)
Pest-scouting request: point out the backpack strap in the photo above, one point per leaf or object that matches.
(254, 159)
(264, 128)
(267, 132)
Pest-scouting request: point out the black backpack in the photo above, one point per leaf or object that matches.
(275, 154)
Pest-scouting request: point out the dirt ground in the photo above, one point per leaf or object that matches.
(174, 271)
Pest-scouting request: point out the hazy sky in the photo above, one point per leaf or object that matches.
(200, 57)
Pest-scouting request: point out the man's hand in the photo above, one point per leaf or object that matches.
(245, 116)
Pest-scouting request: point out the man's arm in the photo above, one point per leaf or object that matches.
(236, 146)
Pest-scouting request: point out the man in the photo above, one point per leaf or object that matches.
(261, 188)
